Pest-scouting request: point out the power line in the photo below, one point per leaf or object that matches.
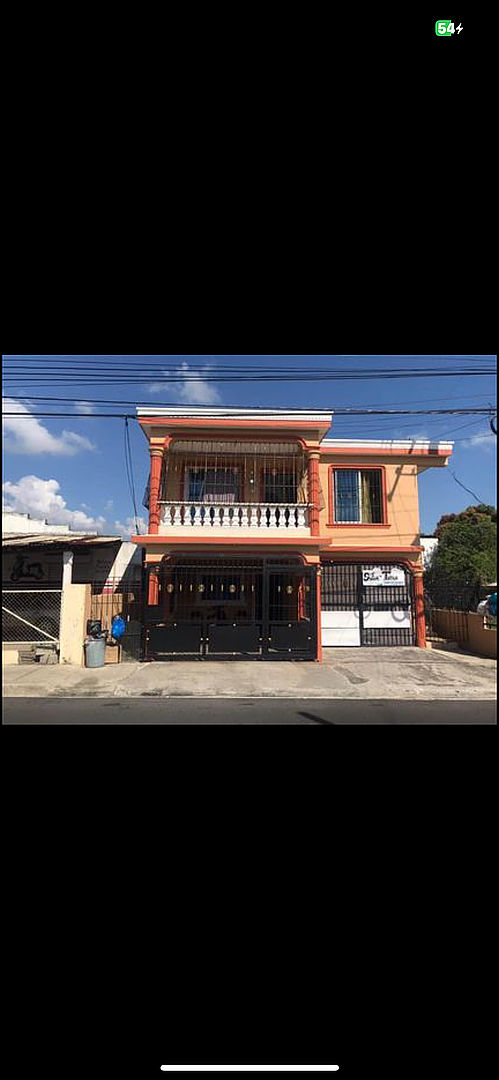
(129, 472)
(220, 373)
(343, 414)
(215, 362)
(277, 408)
(470, 492)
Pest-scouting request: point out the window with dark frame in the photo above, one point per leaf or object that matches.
(358, 497)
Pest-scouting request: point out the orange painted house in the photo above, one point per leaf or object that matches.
(267, 539)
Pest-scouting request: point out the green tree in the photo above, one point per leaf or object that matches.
(467, 549)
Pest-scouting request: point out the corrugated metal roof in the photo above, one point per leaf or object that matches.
(66, 540)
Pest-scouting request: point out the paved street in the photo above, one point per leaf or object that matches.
(213, 711)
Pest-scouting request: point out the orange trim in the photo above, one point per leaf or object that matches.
(249, 542)
(287, 425)
(358, 524)
(380, 451)
(333, 550)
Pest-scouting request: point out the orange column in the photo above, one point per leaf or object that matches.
(319, 614)
(313, 492)
(155, 481)
(153, 596)
(154, 513)
(420, 612)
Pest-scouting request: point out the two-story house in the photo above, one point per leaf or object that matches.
(266, 539)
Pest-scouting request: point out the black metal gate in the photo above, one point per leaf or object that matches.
(232, 608)
(378, 600)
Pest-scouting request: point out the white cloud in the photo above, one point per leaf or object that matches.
(41, 499)
(129, 528)
(195, 390)
(482, 441)
(84, 407)
(26, 435)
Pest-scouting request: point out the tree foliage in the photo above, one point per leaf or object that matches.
(467, 549)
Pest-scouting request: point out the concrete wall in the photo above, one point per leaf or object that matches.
(468, 629)
(10, 654)
(402, 528)
(75, 610)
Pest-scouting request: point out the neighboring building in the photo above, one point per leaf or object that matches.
(267, 539)
(429, 545)
(38, 561)
(14, 524)
(38, 571)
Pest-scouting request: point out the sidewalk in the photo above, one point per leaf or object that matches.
(395, 674)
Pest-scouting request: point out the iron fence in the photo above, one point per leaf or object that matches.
(31, 616)
(446, 607)
(118, 596)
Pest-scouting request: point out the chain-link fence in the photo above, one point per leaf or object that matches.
(31, 616)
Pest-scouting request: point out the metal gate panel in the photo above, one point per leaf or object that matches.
(177, 640)
(235, 639)
(291, 638)
(252, 608)
(355, 614)
(387, 610)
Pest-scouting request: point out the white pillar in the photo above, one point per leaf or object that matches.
(67, 568)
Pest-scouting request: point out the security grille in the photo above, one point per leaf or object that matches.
(355, 613)
(229, 473)
(31, 616)
(256, 608)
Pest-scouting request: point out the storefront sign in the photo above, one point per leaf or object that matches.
(383, 575)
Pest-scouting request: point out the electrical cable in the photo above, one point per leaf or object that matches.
(277, 408)
(470, 492)
(129, 471)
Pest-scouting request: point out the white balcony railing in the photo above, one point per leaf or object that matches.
(240, 516)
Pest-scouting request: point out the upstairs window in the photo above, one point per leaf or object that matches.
(358, 497)
(220, 486)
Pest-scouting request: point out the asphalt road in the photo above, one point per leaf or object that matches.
(236, 711)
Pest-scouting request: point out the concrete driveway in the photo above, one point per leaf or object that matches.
(376, 674)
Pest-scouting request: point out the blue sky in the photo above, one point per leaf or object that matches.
(73, 469)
